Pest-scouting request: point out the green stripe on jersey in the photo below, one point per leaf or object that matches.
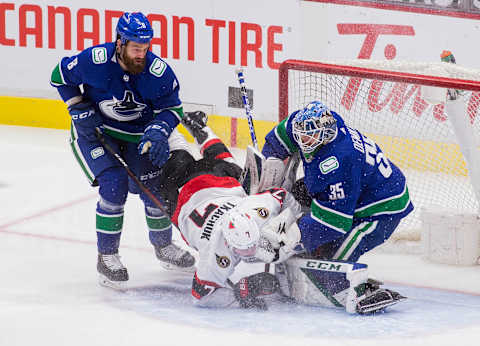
(331, 218)
(353, 240)
(124, 136)
(79, 156)
(281, 133)
(56, 78)
(177, 111)
(392, 205)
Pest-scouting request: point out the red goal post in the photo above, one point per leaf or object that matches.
(401, 105)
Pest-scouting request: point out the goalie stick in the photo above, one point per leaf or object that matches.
(246, 105)
(248, 111)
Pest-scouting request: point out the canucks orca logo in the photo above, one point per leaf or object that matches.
(122, 110)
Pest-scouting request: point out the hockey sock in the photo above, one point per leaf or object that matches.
(109, 223)
(113, 191)
(159, 227)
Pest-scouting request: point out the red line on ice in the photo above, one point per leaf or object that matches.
(47, 211)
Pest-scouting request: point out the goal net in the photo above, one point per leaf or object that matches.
(401, 105)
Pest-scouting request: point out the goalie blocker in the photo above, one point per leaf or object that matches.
(260, 174)
(334, 284)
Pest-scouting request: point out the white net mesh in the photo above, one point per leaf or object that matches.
(415, 134)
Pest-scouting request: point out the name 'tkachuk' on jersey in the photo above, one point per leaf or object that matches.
(202, 202)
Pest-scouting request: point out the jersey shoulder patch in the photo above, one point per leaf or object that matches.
(158, 67)
(328, 165)
(99, 55)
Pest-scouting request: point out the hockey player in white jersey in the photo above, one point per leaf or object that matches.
(225, 225)
(217, 218)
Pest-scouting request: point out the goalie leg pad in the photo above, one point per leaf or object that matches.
(325, 283)
(261, 174)
(273, 173)
(252, 172)
(290, 175)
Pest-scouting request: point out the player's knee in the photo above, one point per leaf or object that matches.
(174, 171)
(226, 169)
(113, 185)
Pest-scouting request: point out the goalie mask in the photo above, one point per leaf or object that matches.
(314, 126)
(241, 233)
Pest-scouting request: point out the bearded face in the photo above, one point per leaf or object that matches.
(133, 56)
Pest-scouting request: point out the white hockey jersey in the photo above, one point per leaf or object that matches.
(201, 204)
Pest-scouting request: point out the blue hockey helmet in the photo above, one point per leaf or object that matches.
(313, 126)
(134, 27)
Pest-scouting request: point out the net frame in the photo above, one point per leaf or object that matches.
(425, 74)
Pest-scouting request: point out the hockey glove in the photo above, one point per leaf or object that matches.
(284, 235)
(248, 290)
(265, 252)
(155, 142)
(85, 119)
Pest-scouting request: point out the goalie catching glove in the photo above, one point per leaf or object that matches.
(248, 290)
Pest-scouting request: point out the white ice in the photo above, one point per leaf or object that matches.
(49, 293)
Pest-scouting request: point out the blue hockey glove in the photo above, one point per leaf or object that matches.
(155, 141)
(85, 119)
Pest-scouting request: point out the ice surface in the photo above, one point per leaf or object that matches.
(49, 293)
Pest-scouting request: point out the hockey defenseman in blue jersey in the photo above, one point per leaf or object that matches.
(357, 196)
(133, 97)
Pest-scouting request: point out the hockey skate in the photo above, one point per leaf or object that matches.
(111, 272)
(174, 258)
(374, 299)
(195, 123)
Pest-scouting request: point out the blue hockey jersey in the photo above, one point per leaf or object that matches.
(127, 102)
(350, 181)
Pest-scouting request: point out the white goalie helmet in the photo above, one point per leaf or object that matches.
(313, 126)
(241, 233)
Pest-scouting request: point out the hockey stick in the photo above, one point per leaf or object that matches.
(246, 105)
(132, 175)
(248, 111)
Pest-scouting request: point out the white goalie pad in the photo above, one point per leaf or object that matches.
(261, 174)
(291, 168)
(272, 174)
(322, 283)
